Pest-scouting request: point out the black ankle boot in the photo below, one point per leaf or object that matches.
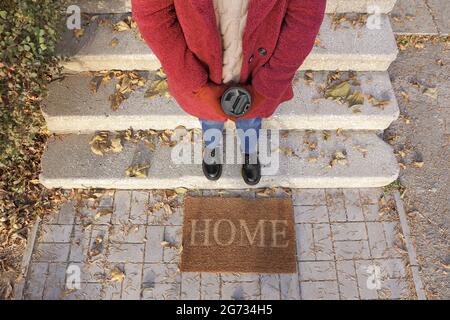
(212, 168)
(251, 172)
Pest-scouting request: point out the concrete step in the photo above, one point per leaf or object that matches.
(346, 48)
(121, 6)
(68, 162)
(71, 107)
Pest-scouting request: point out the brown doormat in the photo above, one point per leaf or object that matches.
(238, 235)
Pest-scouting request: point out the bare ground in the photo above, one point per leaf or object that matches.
(421, 138)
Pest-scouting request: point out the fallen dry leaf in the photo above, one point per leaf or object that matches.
(338, 91)
(339, 157)
(117, 275)
(103, 212)
(378, 103)
(121, 26)
(355, 99)
(114, 42)
(138, 171)
(78, 33)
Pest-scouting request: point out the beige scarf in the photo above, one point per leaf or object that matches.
(231, 17)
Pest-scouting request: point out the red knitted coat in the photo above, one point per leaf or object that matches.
(277, 39)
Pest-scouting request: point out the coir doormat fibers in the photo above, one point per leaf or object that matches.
(238, 235)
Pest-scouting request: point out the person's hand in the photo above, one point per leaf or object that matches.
(257, 100)
(211, 95)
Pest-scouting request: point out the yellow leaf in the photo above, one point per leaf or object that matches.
(117, 275)
(103, 212)
(165, 244)
(158, 88)
(114, 42)
(181, 190)
(419, 164)
(116, 145)
(78, 33)
(121, 26)
(137, 171)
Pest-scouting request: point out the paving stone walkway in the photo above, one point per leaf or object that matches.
(346, 239)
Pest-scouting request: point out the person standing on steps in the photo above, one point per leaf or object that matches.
(207, 46)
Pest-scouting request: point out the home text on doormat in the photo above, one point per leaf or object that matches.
(238, 235)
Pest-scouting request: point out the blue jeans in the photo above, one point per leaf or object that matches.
(247, 129)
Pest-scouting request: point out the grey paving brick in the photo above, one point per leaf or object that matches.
(394, 289)
(92, 272)
(107, 199)
(346, 250)
(172, 235)
(66, 213)
(50, 218)
(377, 240)
(305, 242)
(88, 214)
(366, 280)
(55, 233)
(155, 196)
(308, 197)
(289, 287)
(122, 203)
(275, 192)
(111, 291)
(161, 273)
(241, 291)
(153, 248)
(270, 287)
(100, 231)
(238, 194)
(323, 246)
(211, 193)
(55, 282)
(139, 205)
(163, 218)
(35, 285)
(371, 212)
(190, 286)
(51, 252)
(239, 277)
(126, 252)
(162, 291)
(391, 230)
(103, 214)
(99, 242)
(210, 286)
(80, 244)
(311, 214)
(130, 233)
(317, 270)
(131, 286)
(370, 195)
(353, 205)
(320, 290)
(347, 281)
(194, 193)
(349, 231)
(336, 205)
(392, 268)
(88, 291)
